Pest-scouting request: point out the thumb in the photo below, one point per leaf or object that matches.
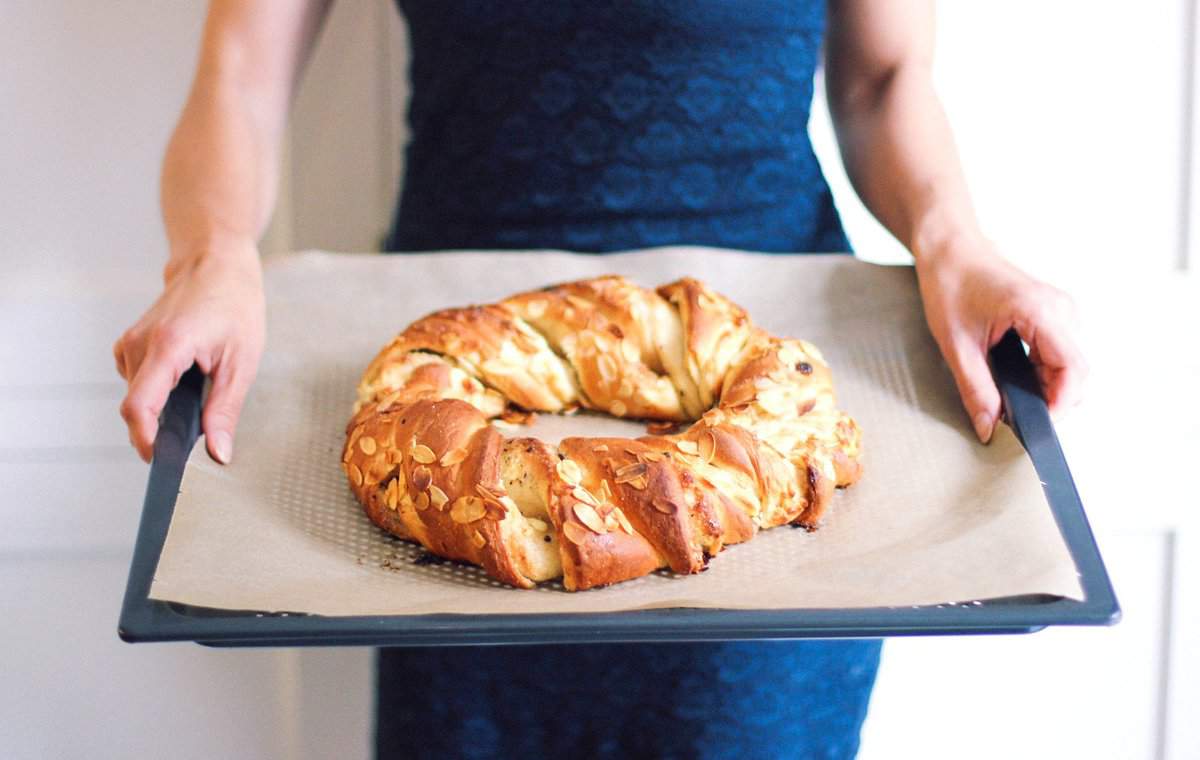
(231, 380)
(968, 362)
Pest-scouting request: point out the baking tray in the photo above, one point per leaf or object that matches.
(145, 619)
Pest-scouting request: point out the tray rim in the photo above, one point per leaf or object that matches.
(143, 619)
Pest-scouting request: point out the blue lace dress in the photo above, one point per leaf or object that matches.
(601, 125)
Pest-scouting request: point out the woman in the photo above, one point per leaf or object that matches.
(598, 126)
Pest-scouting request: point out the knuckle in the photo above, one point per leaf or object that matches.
(128, 410)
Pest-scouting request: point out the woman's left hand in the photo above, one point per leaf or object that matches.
(972, 297)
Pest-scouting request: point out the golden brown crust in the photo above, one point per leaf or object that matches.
(427, 465)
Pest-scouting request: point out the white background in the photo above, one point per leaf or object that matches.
(1075, 123)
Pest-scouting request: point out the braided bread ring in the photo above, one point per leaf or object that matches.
(766, 448)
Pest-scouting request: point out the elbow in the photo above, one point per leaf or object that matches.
(857, 93)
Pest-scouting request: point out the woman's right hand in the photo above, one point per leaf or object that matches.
(212, 313)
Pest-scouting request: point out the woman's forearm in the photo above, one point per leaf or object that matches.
(895, 140)
(220, 175)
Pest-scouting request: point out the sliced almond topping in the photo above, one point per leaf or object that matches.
(630, 351)
(618, 408)
(652, 456)
(356, 476)
(422, 501)
(421, 478)
(423, 454)
(687, 447)
(568, 343)
(639, 483)
(708, 446)
(622, 519)
(478, 539)
(579, 303)
(600, 448)
(607, 368)
(575, 532)
(610, 522)
(626, 389)
(467, 509)
(666, 506)
(605, 491)
(536, 308)
(395, 456)
(569, 471)
(346, 454)
(495, 510)
(367, 444)
(437, 497)
(391, 495)
(589, 517)
(629, 472)
(584, 495)
(541, 526)
(453, 457)
(388, 400)
(487, 492)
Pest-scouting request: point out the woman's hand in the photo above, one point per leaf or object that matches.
(972, 297)
(211, 312)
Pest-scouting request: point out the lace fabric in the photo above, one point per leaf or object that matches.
(596, 125)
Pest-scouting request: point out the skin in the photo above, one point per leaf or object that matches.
(219, 184)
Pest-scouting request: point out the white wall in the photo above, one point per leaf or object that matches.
(1072, 119)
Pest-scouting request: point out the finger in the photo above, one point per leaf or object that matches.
(148, 391)
(968, 363)
(231, 380)
(1056, 355)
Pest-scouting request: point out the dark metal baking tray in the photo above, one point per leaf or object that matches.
(145, 619)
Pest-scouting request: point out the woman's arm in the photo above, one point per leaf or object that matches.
(900, 156)
(219, 182)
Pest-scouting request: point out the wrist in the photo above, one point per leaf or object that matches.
(225, 252)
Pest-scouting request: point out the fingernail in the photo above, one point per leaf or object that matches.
(222, 447)
(983, 426)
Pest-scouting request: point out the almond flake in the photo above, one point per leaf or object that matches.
(569, 471)
(437, 497)
(541, 526)
(584, 495)
(575, 533)
(467, 509)
(589, 517)
(605, 491)
(630, 351)
(626, 389)
(600, 447)
(356, 475)
(607, 368)
(367, 444)
(639, 483)
(496, 510)
(478, 539)
(652, 456)
(629, 472)
(536, 308)
(346, 454)
(422, 501)
(687, 447)
(708, 446)
(390, 495)
(579, 303)
(422, 478)
(623, 520)
(618, 408)
(453, 457)
(423, 454)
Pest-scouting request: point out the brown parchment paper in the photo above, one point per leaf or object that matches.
(936, 518)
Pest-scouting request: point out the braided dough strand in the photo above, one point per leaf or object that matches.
(768, 445)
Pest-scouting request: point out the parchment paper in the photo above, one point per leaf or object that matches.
(936, 518)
